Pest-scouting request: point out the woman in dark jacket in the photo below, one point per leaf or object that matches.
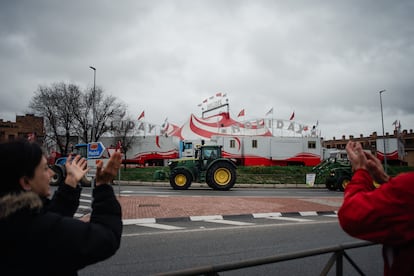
(39, 236)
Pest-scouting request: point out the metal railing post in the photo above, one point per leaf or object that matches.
(339, 262)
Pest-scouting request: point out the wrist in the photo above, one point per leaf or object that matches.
(71, 181)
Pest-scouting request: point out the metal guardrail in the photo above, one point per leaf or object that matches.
(337, 257)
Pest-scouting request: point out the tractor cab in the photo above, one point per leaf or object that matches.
(207, 154)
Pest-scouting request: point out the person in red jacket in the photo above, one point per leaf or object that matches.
(381, 215)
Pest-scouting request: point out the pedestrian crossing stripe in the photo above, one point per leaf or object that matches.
(85, 200)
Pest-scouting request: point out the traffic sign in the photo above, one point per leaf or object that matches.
(95, 150)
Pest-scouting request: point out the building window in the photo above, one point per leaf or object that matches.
(311, 145)
(254, 143)
(232, 144)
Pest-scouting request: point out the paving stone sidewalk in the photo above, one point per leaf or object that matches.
(136, 207)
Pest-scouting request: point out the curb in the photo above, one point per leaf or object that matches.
(227, 217)
(203, 185)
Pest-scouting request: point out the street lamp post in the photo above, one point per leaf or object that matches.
(93, 102)
(383, 134)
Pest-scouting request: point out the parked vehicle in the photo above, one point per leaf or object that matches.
(91, 151)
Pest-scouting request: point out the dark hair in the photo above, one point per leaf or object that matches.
(18, 158)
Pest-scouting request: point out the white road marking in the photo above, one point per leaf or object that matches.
(289, 219)
(201, 218)
(332, 216)
(230, 222)
(85, 200)
(84, 207)
(266, 215)
(160, 226)
(138, 221)
(305, 214)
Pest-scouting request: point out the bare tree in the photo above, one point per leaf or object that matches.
(108, 110)
(68, 113)
(57, 104)
(124, 135)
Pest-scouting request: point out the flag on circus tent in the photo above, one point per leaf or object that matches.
(142, 115)
(165, 122)
(241, 113)
(218, 94)
(292, 116)
(269, 112)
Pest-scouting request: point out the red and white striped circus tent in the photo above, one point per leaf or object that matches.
(219, 124)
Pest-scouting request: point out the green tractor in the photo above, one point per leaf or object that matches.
(336, 171)
(207, 165)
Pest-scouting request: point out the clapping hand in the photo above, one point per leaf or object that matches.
(366, 160)
(76, 168)
(105, 175)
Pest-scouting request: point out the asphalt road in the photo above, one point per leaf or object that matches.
(149, 251)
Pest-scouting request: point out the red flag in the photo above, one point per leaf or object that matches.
(218, 94)
(241, 113)
(292, 116)
(142, 115)
(205, 101)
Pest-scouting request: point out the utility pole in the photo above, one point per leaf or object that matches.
(383, 134)
(93, 104)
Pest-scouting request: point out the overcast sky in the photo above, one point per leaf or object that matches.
(324, 60)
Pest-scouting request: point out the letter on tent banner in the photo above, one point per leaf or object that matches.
(235, 129)
(150, 127)
(279, 124)
(141, 126)
(301, 128)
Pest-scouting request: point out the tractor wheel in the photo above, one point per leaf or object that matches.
(180, 179)
(343, 182)
(330, 184)
(221, 176)
(59, 175)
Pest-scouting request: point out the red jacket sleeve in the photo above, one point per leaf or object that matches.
(384, 215)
